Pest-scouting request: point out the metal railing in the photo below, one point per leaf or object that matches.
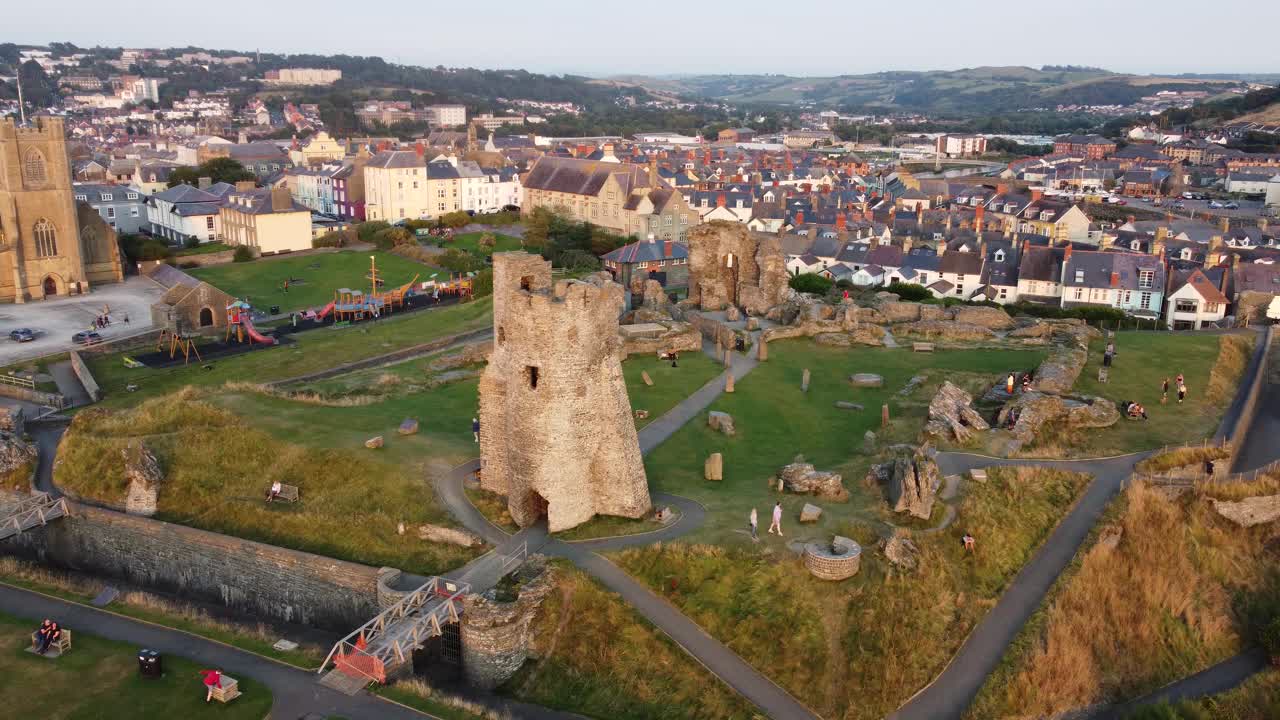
(22, 382)
(29, 512)
(515, 557)
(392, 635)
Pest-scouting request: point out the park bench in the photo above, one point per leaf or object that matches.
(922, 347)
(228, 690)
(288, 493)
(56, 648)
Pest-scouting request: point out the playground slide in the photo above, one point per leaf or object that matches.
(254, 335)
(325, 312)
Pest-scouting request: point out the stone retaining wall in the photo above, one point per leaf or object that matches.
(86, 378)
(245, 576)
(30, 395)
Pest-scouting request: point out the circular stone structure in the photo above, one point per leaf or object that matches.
(838, 560)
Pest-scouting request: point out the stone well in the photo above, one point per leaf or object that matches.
(837, 560)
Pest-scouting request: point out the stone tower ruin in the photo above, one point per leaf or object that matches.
(556, 433)
(730, 265)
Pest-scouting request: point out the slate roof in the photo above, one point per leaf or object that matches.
(584, 177)
(648, 251)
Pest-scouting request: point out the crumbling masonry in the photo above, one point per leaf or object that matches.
(556, 434)
(729, 265)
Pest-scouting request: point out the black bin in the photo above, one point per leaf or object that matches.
(150, 664)
(275, 309)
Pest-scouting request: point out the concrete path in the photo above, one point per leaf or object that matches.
(950, 694)
(69, 384)
(1224, 676)
(1260, 447)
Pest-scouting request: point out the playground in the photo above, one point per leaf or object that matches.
(312, 279)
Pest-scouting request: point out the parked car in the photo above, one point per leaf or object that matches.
(1179, 205)
(22, 335)
(86, 337)
(1215, 205)
(1232, 205)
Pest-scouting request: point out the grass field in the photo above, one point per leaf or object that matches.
(311, 352)
(313, 278)
(1212, 365)
(670, 384)
(1181, 590)
(596, 656)
(775, 422)
(99, 679)
(218, 465)
(859, 648)
(471, 243)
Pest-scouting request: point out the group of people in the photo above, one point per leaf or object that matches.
(1011, 382)
(1179, 383)
(104, 320)
(46, 635)
(774, 527)
(1134, 410)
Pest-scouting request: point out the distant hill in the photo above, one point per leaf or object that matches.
(969, 91)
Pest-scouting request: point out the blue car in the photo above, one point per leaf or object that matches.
(22, 335)
(86, 337)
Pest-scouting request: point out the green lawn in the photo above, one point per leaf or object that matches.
(202, 249)
(314, 277)
(775, 421)
(471, 243)
(99, 679)
(311, 352)
(670, 384)
(1142, 362)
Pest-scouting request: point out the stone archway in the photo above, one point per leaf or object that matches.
(50, 286)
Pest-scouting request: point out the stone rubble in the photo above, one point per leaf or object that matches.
(721, 422)
(1251, 511)
(951, 415)
(801, 478)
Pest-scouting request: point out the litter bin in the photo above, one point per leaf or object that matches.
(275, 309)
(150, 664)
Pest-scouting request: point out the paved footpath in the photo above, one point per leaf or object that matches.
(951, 693)
(1215, 679)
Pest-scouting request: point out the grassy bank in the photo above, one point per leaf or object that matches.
(1171, 597)
(1257, 699)
(217, 468)
(859, 648)
(596, 656)
(99, 679)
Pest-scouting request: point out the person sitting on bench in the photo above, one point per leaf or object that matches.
(48, 637)
(1137, 411)
(274, 492)
(40, 639)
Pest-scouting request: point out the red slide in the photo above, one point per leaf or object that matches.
(254, 335)
(325, 312)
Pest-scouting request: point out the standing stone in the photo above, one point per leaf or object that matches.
(728, 357)
(644, 375)
(762, 349)
(373, 443)
(804, 381)
(732, 314)
(728, 382)
(713, 468)
(869, 442)
(884, 415)
(810, 513)
(753, 324)
(408, 426)
(142, 472)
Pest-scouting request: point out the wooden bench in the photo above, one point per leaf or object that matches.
(56, 648)
(922, 347)
(229, 691)
(288, 493)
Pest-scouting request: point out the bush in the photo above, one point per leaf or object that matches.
(393, 237)
(1094, 315)
(578, 261)
(191, 242)
(333, 239)
(188, 265)
(455, 220)
(482, 284)
(144, 247)
(910, 292)
(504, 217)
(810, 283)
(242, 254)
(1269, 638)
(366, 230)
(487, 241)
(455, 260)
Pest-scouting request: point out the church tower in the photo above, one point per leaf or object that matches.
(42, 250)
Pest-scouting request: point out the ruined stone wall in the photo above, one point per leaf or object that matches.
(755, 280)
(243, 575)
(556, 433)
(495, 635)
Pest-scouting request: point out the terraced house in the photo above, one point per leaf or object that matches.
(627, 199)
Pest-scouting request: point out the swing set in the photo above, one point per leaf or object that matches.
(178, 343)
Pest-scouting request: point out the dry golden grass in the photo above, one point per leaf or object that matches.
(1180, 457)
(1224, 377)
(1157, 607)
(302, 396)
(417, 687)
(598, 657)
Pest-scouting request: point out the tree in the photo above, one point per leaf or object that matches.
(810, 283)
(487, 241)
(37, 89)
(242, 254)
(227, 170)
(459, 261)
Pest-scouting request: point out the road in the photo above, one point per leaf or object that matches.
(56, 320)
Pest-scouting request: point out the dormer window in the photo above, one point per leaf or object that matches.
(132, 196)
(106, 197)
(1046, 215)
(1186, 253)
(82, 198)
(1135, 245)
(999, 256)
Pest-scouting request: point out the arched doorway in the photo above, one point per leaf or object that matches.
(206, 317)
(50, 286)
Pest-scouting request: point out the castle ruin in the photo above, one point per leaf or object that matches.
(556, 433)
(730, 265)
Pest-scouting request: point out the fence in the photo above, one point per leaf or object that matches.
(18, 381)
(11, 387)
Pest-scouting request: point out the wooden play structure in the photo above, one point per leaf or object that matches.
(351, 304)
(178, 342)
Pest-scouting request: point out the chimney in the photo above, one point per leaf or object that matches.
(281, 200)
(721, 200)
(1066, 256)
(666, 249)
(1224, 223)
(1133, 219)
(245, 185)
(840, 222)
(979, 214)
(1106, 242)
(907, 242)
(1115, 279)
(950, 214)
(799, 220)
(653, 172)
(1215, 242)
(919, 216)
(1036, 194)
(1262, 224)
(204, 183)
(1002, 188)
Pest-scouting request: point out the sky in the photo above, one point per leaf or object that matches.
(747, 36)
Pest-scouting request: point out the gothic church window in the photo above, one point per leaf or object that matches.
(46, 238)
(34, 174)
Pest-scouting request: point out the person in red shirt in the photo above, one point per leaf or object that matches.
(212, 679)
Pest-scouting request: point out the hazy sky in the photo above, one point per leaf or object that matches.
(586, 36)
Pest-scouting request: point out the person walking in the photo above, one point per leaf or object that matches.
(1008, 384)
(126, 318)
(1182, 392)
(754, 521)
(776, 525)
(475, 428)
(1164, 390)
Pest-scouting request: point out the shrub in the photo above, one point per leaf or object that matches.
(392, 237)
(365, 231)
(333, 238)
(487, 241)
(578, 260)
(242, 254)
(910, 292)
(810, 283)
(188, 265)
(482, 284)
(505, 217)
(1269, 638)
(143, 247)
(455, 260)
(191, 242)
(456, 219)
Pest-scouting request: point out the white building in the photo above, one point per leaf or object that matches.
(961, 145)
(1196, 302)
(184, 212)
(302, 76)
(447, 115)
(1273, 192)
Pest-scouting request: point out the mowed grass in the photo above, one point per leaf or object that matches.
(314, 277)
(99, 679)
(1178, 593)
(670, 386)
(471, 243)
(1212, 365)
(775, 422)
(218, 465)
(859, 648)
(597, 656)
(310, 352)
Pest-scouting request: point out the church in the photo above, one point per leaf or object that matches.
(49, 245)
